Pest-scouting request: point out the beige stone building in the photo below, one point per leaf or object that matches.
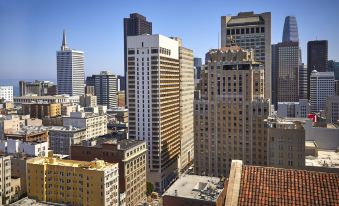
(286, 143)
(73, 182)
(229, 115)
(131, 156)
(94, 124)
(186, 106)
(88, 100)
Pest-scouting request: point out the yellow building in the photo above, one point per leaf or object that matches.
(41, 110)
(73, 182)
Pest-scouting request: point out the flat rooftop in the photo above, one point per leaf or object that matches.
(326, 158)
(196, 187)
(30, 202)
(98, 165)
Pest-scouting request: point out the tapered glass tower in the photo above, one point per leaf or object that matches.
(290, 33)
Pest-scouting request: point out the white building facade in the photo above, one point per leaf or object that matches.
(6, 93)
(153, 85)
(13, 146)
(322, 86)
(95, 125)
(70, 70)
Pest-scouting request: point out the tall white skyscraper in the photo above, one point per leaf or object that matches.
(322, 86)
(153, 84)
(70, 70)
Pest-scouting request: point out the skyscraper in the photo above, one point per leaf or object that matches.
(317, 58)
(288, 72)
(251, 31)
(135, 25)
(186, 106)
(302, 81)
(290, 33)
(228, 117)
(70, 70)
(105, 88)
(153, 85)
(322, 86)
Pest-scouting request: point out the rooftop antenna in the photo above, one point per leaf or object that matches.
(218, 41)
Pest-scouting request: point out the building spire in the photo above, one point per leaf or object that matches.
(64, 41)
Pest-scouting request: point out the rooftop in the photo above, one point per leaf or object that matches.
(30, 202)
(196, 187)
(98, 165)
(29, 130)
(326, 158)
(65, 128)
(256, 185)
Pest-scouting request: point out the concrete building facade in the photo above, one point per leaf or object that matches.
(6, 93)
(135, 25)
(186, 106)
(105, 88)
(321, 87)
(88, 100)
(73, 182)
(131, 157)
(153, 85)
(61, 138)
(251, 31)
(41, 110)
(228, 117)
(332, 109)
(5, 179)
(286, 143)
(294, 109)
(12, 146)
(94, 124)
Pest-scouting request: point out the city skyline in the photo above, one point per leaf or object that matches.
(33, 34)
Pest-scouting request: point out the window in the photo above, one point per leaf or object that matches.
(131, 51)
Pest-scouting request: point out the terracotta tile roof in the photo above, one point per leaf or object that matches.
(276, 186)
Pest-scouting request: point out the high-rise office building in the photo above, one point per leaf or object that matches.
(303, 81)
(135, 25)
(153, 84)
(197, 67)
(70, 70)
(290, 33)
(229, 116)
(251, 31)
(121, 83)
(274, 75)
(317, 58)
(105, 88)
(186, 105)
(321, 87)
(288, 72)
(6, 93)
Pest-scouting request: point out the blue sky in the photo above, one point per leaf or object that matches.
(31, 30)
